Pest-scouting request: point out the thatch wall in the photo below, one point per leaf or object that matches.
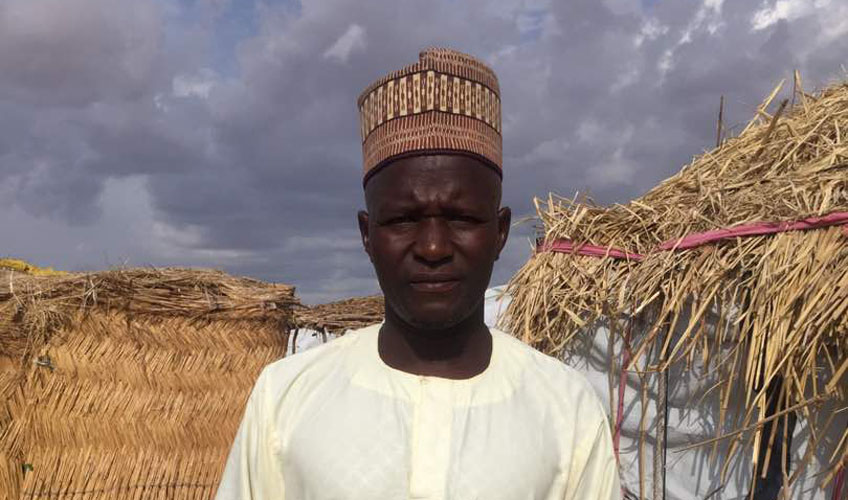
(780, 299)
(130, 383)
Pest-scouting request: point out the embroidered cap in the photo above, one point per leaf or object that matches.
(446, 102)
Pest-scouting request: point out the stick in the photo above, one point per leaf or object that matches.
(752, 426)
(771, 128)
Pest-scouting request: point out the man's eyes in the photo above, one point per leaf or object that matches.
(464, 218)
(403, 219)
(409, 219)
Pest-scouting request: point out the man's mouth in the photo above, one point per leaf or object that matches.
(434, 283)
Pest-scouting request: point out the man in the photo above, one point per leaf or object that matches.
(430, 404)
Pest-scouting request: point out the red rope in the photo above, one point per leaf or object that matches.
(837, 488)
(699, 239)
(566, 246)
(755, 229)
(622, 385)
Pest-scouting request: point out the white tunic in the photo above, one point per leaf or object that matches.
(336, 422)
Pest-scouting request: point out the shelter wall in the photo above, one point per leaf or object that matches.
(120, 406)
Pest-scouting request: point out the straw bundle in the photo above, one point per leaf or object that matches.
(338, 317)
(130, 383)
(781, 300)
(555, 294)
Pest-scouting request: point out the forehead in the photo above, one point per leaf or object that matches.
(433, 178)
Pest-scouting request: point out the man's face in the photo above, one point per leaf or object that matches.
(433, 231)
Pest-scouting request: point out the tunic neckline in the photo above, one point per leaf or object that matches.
(374, 355)
(496, 383)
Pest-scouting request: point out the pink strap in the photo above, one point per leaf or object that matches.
(699, 239)
(756, 229)
(566, 246)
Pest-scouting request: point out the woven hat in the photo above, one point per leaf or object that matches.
(446, 102)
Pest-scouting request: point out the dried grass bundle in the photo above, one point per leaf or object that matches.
(781, 300)
(130, 383)
(338, 317)
(555, 294)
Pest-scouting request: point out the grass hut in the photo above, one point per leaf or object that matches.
(338, 317)
(746, 246)
(129, 383)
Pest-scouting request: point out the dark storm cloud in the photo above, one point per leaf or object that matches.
(253, 163)
(61, 64)
(75, 52)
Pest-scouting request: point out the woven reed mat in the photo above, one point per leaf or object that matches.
(130, 383)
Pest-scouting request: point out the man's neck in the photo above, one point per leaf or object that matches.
(458, 352)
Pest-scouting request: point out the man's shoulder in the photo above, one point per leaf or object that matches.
(535, 360)
(547, 374)
(315, 362)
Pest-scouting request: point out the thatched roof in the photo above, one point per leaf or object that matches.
(781, 299)
(338, 317)
(130, 383)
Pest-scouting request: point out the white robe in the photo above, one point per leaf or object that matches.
(336, 422)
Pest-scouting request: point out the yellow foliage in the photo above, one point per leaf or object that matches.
(25, 267)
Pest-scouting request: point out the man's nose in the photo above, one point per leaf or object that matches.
(433, 242)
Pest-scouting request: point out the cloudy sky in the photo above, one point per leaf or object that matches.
(223, 133)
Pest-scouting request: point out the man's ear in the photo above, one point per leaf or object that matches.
(362, 216)
(504, 222)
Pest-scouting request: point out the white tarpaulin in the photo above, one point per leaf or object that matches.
(693, 415)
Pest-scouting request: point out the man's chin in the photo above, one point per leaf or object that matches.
(434, 320)
(433, 312)
(434, 325)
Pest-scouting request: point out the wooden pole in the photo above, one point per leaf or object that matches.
(720, 120)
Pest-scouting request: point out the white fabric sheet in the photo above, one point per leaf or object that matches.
(692, 418)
